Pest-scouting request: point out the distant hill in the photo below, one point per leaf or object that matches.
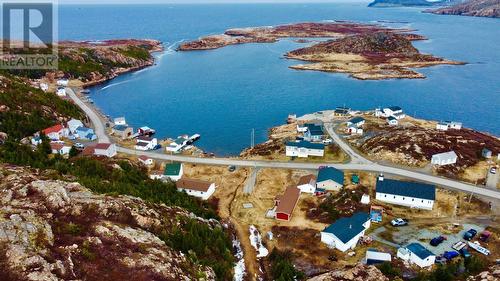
(411, 3)
(475, 8)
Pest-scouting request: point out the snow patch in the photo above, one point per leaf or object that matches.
(256, 241)
(239, 268)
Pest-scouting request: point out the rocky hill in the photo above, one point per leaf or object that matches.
(59, 230)
(475, 8)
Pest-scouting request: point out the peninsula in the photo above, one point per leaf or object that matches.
(475, 8)
(365, 51)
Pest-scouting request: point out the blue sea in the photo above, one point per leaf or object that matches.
(223, 94)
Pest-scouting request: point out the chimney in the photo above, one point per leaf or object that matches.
(381, 177)
(350, 226)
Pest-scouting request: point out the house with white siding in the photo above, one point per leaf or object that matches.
(353, 130)
(301, 128)
(442, 126)
(356, 121)
(73, 124)
(307, 184)
(146, 143)
(147, 161)
(445, 158)
(55, 132)
(392, 121)
(173, 171)
(105, 149)
(62, 82)
(198, 188)
(59, 148)
(374, 256)
(304, 149)
(314, 132)
(177, 144)
(85, 133)
(120, 121)
(454, 125)
(417, 254)
(409, 194)
(394, 111)
(61, 91)
(345, 233)
(330, 178)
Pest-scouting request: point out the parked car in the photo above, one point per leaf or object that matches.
(465, 253)
(493, 170)
(399, 222)
(158, 146)
(79, 145)
(437, 240)
(440, 260)
(485, 235)
(449, 255)
(327, 141)
(231, 168)
(470, 234)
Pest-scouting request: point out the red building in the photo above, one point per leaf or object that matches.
(286, 203)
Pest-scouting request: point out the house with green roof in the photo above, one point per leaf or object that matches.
(345, 233)
(173, 171)
(330, 178)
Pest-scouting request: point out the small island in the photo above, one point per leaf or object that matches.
(364, 51)
(474, 8)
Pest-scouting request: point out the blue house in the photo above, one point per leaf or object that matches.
(314, 132)
(85, 133)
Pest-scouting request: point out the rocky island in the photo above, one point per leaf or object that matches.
(364, 51)
(475, 8)
(410, 3)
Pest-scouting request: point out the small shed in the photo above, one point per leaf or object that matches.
(486, 153)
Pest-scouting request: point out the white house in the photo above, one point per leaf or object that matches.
(59, 148)
(44, 87)
(198, 188)
(330, 178)
(173, 171)
(105, 149)
(356, 121)
(344, 233)
(73, 124)
(353, 130)
(409, 194)
(55, 132)
(486, 153)
(146, 143)
(304, 149)
(61, 91)
(392, 121)
(379, 112)
(307, 184)
(36, 140)
(445, 158)
(454, 125)
(62, 82)
(392, 110)
(120, 121)
(314, 132)
(147, 161)
(373, 257)
(442, 126)
(301, 128)
(177, 144)
(417, 254)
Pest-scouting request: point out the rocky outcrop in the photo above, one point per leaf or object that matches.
(410, 3)
(475, 8)
(57, 230)
(359, 272)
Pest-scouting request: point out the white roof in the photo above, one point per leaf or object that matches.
(445, 155)
(119, 119)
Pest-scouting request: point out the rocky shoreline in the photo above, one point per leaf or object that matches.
(364, 51)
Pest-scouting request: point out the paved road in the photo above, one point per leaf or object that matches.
(364, 166)
(250, 183)
(355, 157)
(492, 179)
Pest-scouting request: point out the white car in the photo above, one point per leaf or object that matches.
(399, 222)
(79, 145)
(327, 141)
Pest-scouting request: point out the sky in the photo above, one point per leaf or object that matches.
(196, 1)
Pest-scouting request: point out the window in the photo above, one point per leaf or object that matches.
(413, 199)
(394, 197)
(403, 198)
(422, 201)
(385, 195)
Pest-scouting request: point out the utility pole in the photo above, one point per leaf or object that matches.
(252, 138)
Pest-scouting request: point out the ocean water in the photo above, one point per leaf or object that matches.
(223, 94)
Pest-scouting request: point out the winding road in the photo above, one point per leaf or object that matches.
(358, 163)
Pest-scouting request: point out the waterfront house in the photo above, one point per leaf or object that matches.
(198, 188)
(304, 149)
(342, 111)
(395, 111)
(105, 149)
(286, 203)
(55, 132)
(356, 121)
(392, 121)
(307, 184)
(441, 126)
(378, 112)
(330, 178)
(146, 143)
(62, 82)
(454, 125)
(177, 144)
(345, 233)
(85, 133)
(173, 171)
(147, 161)
(314, 132)
(59, 148)
(445, 158)
(61, 91)
(122, 131)
(353, 130)
(486, 153)
(409, 194)
(73, 124)
(374, 256)
(301, 128)
(120, 121)
(145, 131)
(417, 254)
